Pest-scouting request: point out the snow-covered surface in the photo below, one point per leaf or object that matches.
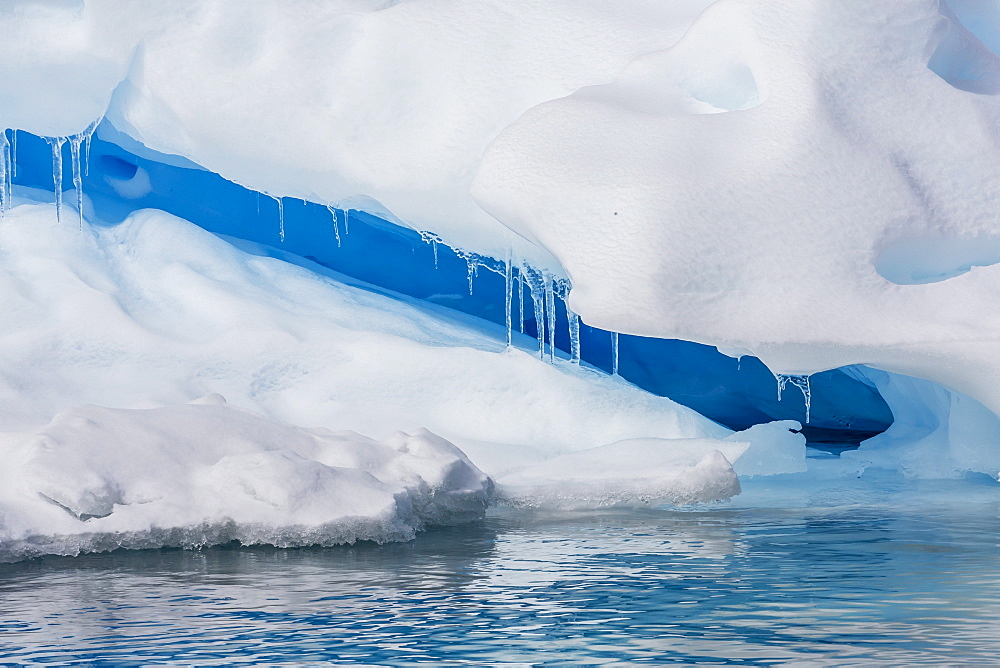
(386, 105)
(815, 181)
(645, 471)
(810, 181)
(206, 473)
(146, 316)
(159, 311)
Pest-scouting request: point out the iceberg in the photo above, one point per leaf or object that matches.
(814, 184)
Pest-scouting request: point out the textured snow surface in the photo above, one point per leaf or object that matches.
(207, 473)
(816, 182)
(641, 471)
(388, 105)
(147, 316)
(158, 310)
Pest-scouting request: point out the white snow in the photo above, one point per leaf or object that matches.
(114, 330)
(207, 473)
(786, 179)
(374, 104)
(644, 471)
(817, 182)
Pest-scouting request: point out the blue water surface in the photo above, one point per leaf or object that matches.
(870, 570)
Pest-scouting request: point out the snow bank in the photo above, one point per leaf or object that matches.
(208, 473)
(746, 187)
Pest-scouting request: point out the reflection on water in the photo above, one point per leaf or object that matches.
(839, 574)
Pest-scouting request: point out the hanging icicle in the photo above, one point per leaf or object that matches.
(562, 289)
(782, 382)
(473, 270)
(281, 218)
(433, 240)
(520, 297)
(5, 174)
(85, 139)
(574, 335)
(347, 222)
(86, 151)
(800, 381)
(537, 287)
(509, 296)
(614, 353)
(336, 227)
(550, 315)
(57, 169)
(13, 152)
(75, 142)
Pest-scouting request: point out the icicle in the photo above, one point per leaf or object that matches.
(509, 296)
(13, 152)
(801, 382)
(550, 313)
(5, 174)
(86, 152)
(433, 240)
(614, 353)
(538, 301)
(520, 297)
(281, 218)
(347, 221)
(782, 382)
(574, 335)
(336, 227)
(739, 360)
(85, 138)
(74, 151)
(57, 143)
(473, 268)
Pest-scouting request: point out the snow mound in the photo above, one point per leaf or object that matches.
(207, 473)
(579, 481)
(645, 471)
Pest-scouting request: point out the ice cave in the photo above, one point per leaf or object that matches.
(580, 331)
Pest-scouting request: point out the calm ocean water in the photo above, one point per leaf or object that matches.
(863, 571)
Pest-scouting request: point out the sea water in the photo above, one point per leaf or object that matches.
(876, 569)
